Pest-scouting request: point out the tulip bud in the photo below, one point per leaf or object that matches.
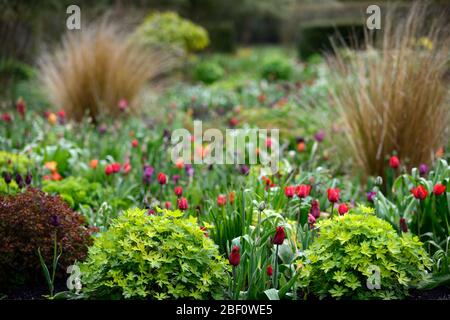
(394, 162)
(162, 178)
(279, 236)
(235, 257)
(342, 209)
(269, 270)
(439, 189)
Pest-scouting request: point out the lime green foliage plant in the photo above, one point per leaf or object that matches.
(276, 68)
(12, 162)
(352, 250)
(74, 190)
(161, 256)
(168, 29)
(208, 72)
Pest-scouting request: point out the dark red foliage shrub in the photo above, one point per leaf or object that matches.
(31, 220)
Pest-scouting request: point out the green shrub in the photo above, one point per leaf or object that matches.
(169, 29)
(154, 256)
(74, 190)
(276, 68)
(348, 249)
(208, 72)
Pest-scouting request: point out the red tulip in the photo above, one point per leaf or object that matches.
(162, 178)
(439, 189)
(394, 162)
(403, 225)
(343, 209)
(126, 167)
(135, 143)
(279, 236)
(182, 204)
(289, 191)
(6, 117)
(269, 270)
(333, 195)
(235, 257)
(221, 200)
(303, 190)
(21, 107)
(315, 210)
(167, 205)
(115, 167)
(109, 170)
(419, 192)
(178, 191)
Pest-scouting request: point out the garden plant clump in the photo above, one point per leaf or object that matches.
(139, 162)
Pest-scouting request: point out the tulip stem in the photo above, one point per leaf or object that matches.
(233, 294)
(275, 276)
(332, 209)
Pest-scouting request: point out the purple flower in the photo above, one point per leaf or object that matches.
(320, 136)
(148, 174)
(423, 169)
(175, 178)
(189, 170)
(7, 177)
(28, 178)
(19, 180)
(371, 195)
(244, 170)
(102, 129)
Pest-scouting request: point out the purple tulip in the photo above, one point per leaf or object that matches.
(320, 136)
(189, 170)
(371, 195)
(244, 170)
(175, 178)
(423, 169)
(148, 174)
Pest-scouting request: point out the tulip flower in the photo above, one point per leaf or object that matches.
(403, 225)
(231, 196)
(178, 191)
(167, 205)
(342, 209)
(419, 192)
(28, 179)
(182, 204)
(371, 195)
(289, 191)
(315, 210)
(93, 163)
(221, 200)
(301, 147)
(279, 236)
(394, 162)
(7, 177)
(235, 256)
(162, 178)
(303, 190)
(21, 107)
(439, 189)
(269, 270)
(126, 167)
(123, 105)
(52, 118)
(423, 169)
(333, 195)
(134, 143)
(179, 163)
(319, 136)
(148, 174)
(6, 117)
(233, 122)
(61, 116)
(175, 178)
